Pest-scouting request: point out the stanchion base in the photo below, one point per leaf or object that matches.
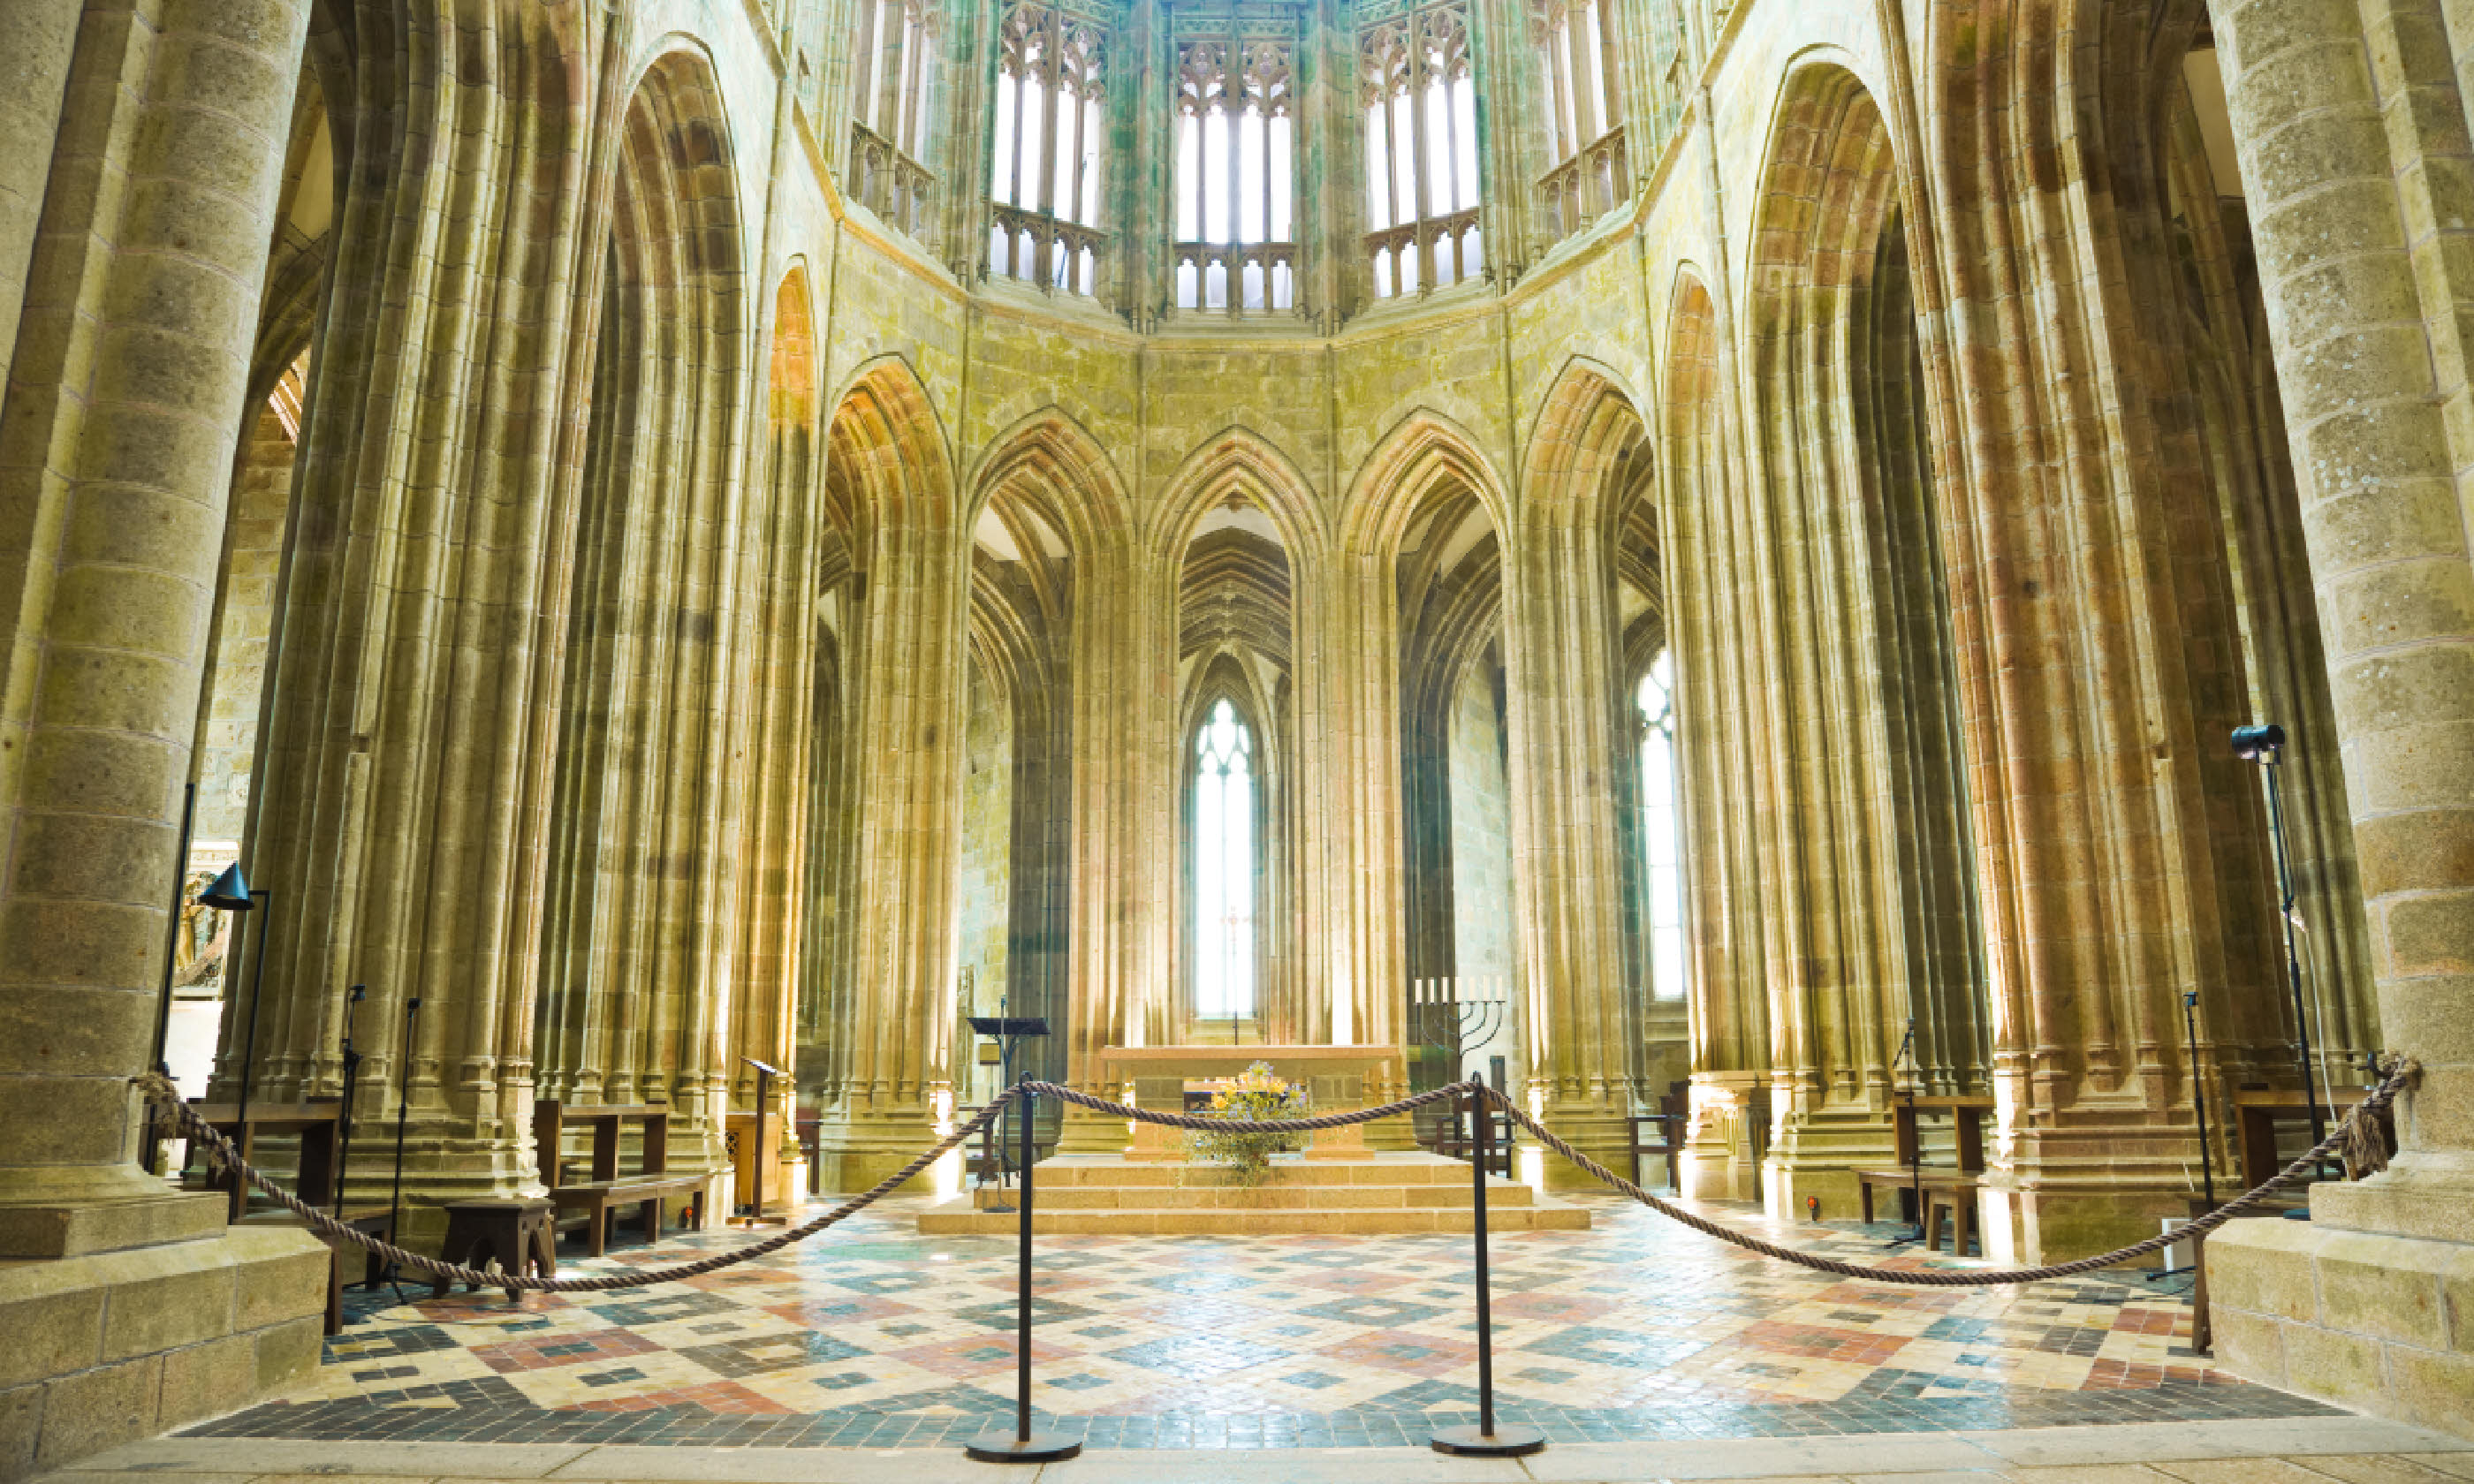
(1502, 1443)
(1040, 1448)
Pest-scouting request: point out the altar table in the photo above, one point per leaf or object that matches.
(1337, 1078)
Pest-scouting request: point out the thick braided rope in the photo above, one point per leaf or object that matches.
(159, 1092)
(2399, 1073)
(1208, 1124)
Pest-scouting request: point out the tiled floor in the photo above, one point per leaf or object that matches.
(870, 1336)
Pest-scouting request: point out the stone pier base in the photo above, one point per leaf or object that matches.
(2368, 1320)
(105, 1348)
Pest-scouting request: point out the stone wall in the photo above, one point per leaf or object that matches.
(254, 552)
(987, 842)
(1485, 950)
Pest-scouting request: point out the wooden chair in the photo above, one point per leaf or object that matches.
(1453, 1142)
(1669, 1124)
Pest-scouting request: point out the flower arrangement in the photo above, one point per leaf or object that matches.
(1257, 1094)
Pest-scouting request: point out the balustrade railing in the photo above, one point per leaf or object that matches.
(888, 182)
(1432, 254)
(1586, 187)
(1040, 249)
(1237, 277)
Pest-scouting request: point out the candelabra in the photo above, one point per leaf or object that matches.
(1450, 1021)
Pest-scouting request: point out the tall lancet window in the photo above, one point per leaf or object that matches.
(1585, 144)
(897, 73)
(1044, 182)
(1236, 148)
(1224, 867)
(1419, 96)
(1660, 830)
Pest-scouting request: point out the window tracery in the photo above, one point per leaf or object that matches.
(890, 101)
(1419, 95)
(1051, 119)
(1588, 173)
(1236, 151)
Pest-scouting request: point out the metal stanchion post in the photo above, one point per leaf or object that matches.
(1485, 1439)
(2199, 1094)
(1025, 1447)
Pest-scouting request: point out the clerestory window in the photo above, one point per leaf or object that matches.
(1051, 118)
(1419, 96)
(1661, 837)
(889, 110)
(1224, 867)
(1236, 151)
(1588, 173)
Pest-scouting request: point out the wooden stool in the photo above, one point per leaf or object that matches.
(1960, 1204)
(518, 1233)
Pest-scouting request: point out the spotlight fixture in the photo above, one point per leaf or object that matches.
(228, 892)
(2258, 744)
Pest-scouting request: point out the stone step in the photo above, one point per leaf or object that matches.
(1382, 1169)
(959, 1217)
(1499, 1196)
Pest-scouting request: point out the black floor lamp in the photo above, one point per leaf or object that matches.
(2263, 744)
(230, 892)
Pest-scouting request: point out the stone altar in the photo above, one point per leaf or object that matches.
(1337, 1078)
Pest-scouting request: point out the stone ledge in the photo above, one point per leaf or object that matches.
(107, 1349)
(2363, 1319)
(80, 1230)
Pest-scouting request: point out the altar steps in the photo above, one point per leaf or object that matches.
(1385, 1194)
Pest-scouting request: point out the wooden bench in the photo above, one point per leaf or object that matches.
(607, 1192)
(602, 1200)
(1968, 1113)
(1944, 1189)
(2258, 1111)
(317, 1122)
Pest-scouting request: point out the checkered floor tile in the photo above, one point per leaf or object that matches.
(872, 1336)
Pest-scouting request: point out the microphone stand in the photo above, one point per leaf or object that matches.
(351, 1081)
(1915, 1138)
(394, 1277)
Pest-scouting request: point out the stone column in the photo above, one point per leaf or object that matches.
(2353, 140)
(891, 1053)
(1566, 723)
(116, 438)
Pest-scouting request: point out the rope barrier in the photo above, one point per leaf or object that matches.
(159, 1092)
(2355, 1140)
(2348, 1140)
